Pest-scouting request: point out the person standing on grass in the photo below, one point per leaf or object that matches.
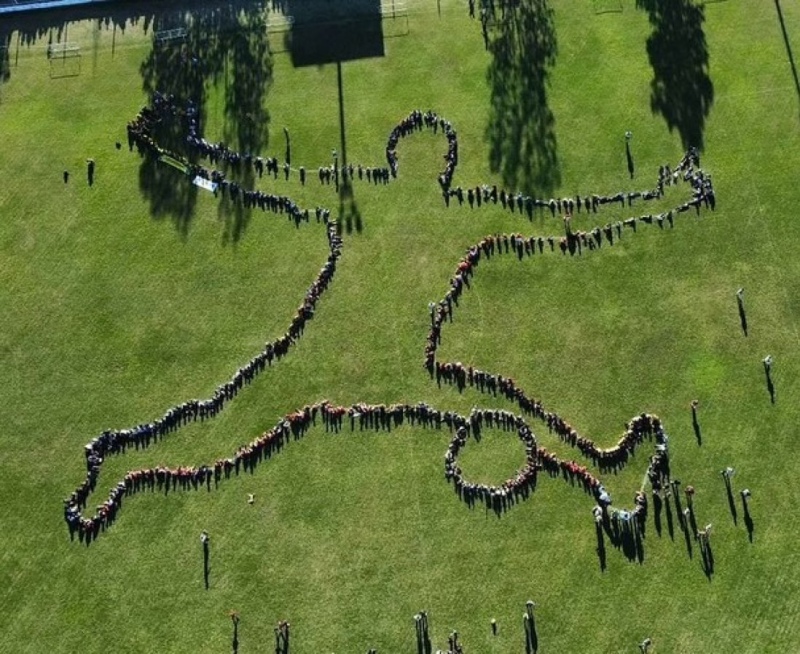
(90, 171)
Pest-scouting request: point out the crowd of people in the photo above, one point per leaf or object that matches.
(687, 170)
(165, 107)
(418, 121)
(496, 497)
(462, 376)
(361, 416)
(142, 134)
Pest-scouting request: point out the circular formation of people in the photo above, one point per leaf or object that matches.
(165, 111)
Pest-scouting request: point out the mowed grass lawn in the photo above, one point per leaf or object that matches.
(120, 300)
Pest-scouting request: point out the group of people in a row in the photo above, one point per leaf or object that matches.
(165, 108)
(142, 134)
(497, 497)
(623, 526)
(142, 435)
(418, 121)
(456, 373)
(295, 424)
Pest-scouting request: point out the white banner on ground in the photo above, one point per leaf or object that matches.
(207, 184)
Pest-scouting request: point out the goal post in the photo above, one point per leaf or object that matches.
(607, 6)
(63, 50)
(169, 36)
(65, 59)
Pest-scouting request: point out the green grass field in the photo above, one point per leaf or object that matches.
(122, 299)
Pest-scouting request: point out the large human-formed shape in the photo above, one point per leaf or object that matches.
(142, 134)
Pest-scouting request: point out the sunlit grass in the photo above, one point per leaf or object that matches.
(111, 313)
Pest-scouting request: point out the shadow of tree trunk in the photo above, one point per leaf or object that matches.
(5, 56)
(521, 130)
(681, 90)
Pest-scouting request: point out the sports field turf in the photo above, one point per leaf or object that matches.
(122, 299)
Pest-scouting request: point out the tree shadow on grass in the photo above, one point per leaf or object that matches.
(246, 117)
(230, 42)
(5, 58)
(521, 130)
(681, 90)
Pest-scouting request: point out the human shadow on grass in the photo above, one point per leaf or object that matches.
(681, 89)
(629, 158)
(687, 534)
(658, 506)
(748, 519)
(698, 434)
(731, 501)
(769, 382)
(684, 521)
(601, 547)
(692, 521)
(742, 315)
(707, 558)
(235, 638)
(670, 524)
(624, 532)
(521, 130)
(676, 495)
(206, 566)
(788, 47)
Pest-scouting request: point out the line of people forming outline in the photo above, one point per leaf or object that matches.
(295, 424)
